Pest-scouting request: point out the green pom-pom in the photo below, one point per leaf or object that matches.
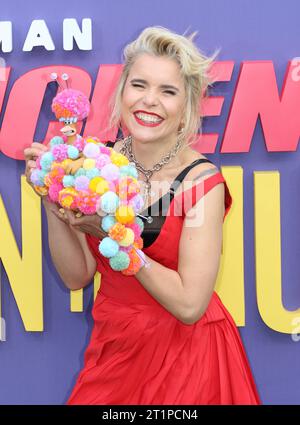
(73, 152)
(120, 261)
(46, 161)
(56, 140)
(68, 181)
(129, 170)
(80, 172)
(93, 172)
(140, 222)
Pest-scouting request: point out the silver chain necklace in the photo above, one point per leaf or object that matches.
(126, 150)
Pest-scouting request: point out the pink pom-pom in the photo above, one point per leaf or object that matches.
(87, 202)
(112, 186)
(126, 248)
(79, 143)
(137, 203)
(54, 190)
(60, 152)
(82, 183)
(110, 172)
(102, 160)
(136, 229)
(71, 103)
(106, 150)
(127, 187)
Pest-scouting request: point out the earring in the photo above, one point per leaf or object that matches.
(181, 129)
(181, 125)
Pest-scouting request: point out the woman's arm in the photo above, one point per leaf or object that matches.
(186, 292)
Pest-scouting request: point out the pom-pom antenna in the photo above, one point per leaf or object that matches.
(71, 104)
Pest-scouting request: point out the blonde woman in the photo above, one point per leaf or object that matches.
(162, 336)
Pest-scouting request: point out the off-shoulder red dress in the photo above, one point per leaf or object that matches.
(139, 353)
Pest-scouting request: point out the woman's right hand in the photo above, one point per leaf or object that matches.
(31, 155)
(90, 224)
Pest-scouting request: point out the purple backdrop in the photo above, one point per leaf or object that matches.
(40, 368)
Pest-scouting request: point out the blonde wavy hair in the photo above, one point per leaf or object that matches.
(194, 66)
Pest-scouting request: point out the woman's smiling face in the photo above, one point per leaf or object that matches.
(153, 99)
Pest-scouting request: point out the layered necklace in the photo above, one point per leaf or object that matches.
(126, 150)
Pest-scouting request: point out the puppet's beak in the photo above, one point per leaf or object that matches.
(68, 130)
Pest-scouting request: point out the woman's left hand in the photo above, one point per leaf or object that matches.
(86, 223)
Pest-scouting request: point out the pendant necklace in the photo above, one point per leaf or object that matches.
(126, 150)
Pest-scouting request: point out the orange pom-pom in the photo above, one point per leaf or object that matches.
(138, 243)
(117, 232)
(134, 265)
(56, 175)
(41, 190)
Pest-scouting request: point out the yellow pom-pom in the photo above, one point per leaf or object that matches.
(56, 165)
(67, 201)
(118, 158)
(65, 162)
(128, 239)
(67, 197)
(89, 163)
(98, 185)
(41, 190)
(102, 187)
(92, 140)
(125, 214)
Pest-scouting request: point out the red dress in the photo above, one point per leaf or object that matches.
(139, 353)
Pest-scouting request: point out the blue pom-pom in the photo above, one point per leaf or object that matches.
(80, 172)
(73, 152)
(37, 177)
(93, 172)
(46, 161)
(129, 170)
(68, 181)
(120, 261)
(108, 247)
(56, 140)
(109, 202)
(43, 175)
(107, 222)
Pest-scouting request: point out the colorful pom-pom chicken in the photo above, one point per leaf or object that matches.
(87, 177)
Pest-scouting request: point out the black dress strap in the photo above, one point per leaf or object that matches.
(161, 205)
(178, 180)
(110, 144)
